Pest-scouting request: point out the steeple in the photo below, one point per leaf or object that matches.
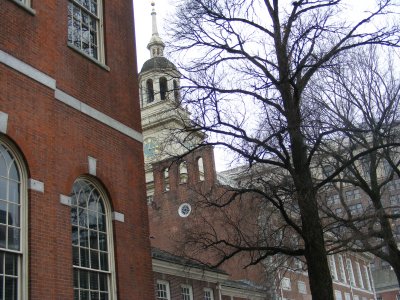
(156, 45)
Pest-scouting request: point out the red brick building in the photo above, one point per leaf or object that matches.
(72, 188)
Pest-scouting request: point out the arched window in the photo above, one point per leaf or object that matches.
(13, 224)
(163, 88)
(150, 90)
(200, 166)
(176, 90)
(183, 173)
(166, 179)
(92, 243)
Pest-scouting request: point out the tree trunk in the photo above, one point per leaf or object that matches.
(315, 252)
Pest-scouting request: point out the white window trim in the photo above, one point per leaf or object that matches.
(349, 266)
(25, 4)
(342, 269)
(100, 37)
(332, 263)
(337, 293)
(286, 284)
(211, 292)
(190, 290)
(110, 236)
(23, 278)
(359, 273)
(166, 283)
(301, 286)
(369, 286)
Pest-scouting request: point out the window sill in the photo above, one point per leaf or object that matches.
(101, 65)
(25, 7)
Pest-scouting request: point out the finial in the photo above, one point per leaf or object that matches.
(156, 45)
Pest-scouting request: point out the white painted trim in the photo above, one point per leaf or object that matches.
(92, 162)
(164, 267)
(116, 216)
(241, 293)
(3, 122)
(97, 115)
(65, 200)
(27, 70)
(35, 185)
(50, 82)
(352, 287)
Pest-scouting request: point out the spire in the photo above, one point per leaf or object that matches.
(156, 45)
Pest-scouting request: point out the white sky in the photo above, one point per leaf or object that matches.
(142, 10)
(142, 15)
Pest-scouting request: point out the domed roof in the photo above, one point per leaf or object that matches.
(157, 62)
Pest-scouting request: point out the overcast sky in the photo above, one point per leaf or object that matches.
(142, 10)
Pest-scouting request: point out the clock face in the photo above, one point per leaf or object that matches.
(151, 147)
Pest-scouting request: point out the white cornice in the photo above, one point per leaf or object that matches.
(169, 268)
(242, 293)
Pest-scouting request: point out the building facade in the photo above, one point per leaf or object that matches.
(72, 185)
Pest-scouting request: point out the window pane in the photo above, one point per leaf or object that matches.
(13, 192)
(94, 260)
(11, 288)
(3, 212)
(84, 258)
(83, 237)
(3, 188)
(84, 295)
(13, 216)
(94, 281)
(3, 234)
(13, 173)
(83, 279)
(11, 264)
(13, 238)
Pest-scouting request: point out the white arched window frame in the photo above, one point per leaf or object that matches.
(13, 223)
(93, 259)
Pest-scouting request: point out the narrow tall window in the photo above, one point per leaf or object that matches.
(332, 267)
(163, 88)
(349, 267)
(341, 269)
(183, 173)
(176, 90)
(13, 219)
(367, 279)
(150, 90)
(359, 275)
(200, 167)
(166, 179)
(91, 242)
(85, 19)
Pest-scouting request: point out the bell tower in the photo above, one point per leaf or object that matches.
(163, 118)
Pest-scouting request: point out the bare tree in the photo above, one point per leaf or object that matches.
(362, 95)
(248, 64)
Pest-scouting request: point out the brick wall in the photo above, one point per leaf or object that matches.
(56, 140)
